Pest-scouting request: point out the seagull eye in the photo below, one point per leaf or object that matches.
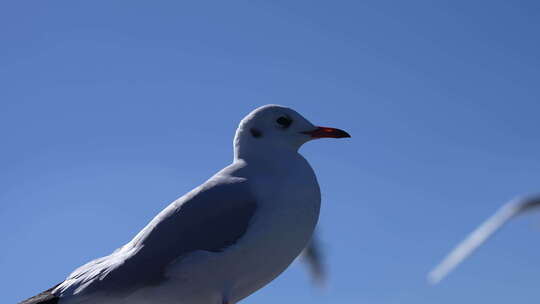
(284, 122)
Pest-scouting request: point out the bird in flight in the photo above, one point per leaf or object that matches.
(482, 233)
(226, 238)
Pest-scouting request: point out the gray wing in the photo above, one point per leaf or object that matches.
(481, 234)
(45, 297)
(314, 259)
(211, 218)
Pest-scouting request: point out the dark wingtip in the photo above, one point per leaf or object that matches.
(46, 297)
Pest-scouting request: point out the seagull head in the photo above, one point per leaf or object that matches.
(274, 128)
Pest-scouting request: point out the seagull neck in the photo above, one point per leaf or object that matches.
(270, 156)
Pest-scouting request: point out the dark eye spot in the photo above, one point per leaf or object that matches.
(283, 121)
(255, 133)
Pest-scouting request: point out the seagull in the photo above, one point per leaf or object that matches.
(225, 239)
(482, 233)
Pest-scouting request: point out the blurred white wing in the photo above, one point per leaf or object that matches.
(481, 234)
(314, 259)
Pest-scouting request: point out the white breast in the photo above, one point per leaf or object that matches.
(289, 210)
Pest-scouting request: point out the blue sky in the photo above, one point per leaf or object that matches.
(110, 110)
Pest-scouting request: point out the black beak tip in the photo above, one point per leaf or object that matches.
(344, 134)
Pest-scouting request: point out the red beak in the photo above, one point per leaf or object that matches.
(322, 132)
